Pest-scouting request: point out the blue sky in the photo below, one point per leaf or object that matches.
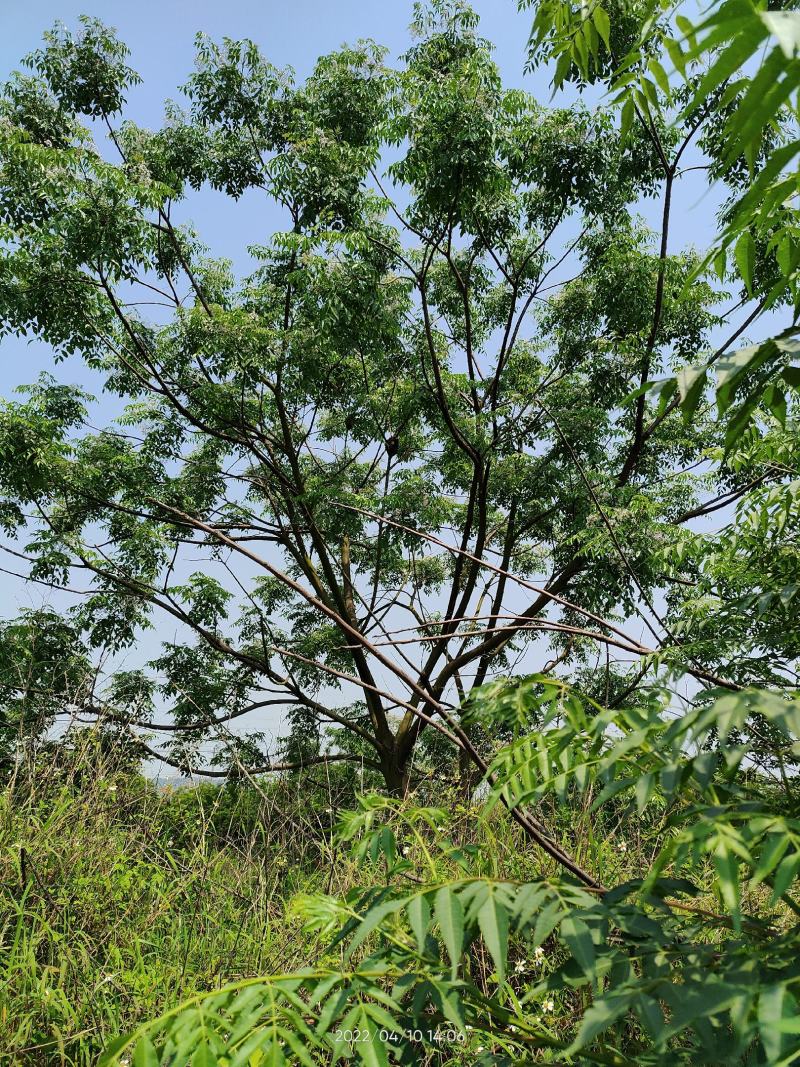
(161, 38)
(160, 34)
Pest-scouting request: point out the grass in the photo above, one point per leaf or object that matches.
(119, 900)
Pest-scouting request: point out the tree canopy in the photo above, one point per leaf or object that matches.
(415, 445)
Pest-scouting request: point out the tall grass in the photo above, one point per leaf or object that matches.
(119, 900)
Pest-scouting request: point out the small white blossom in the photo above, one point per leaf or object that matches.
(538, 955)
(549, 1005)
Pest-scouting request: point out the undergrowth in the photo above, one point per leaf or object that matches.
(120, 899)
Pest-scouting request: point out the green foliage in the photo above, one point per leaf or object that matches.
(742, 61)
(42, 667)
(426, 374)
(436, 432)
(118, 898)
(642, 970)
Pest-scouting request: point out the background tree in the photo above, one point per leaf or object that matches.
(405, 447)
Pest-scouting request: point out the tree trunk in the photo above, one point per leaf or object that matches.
(395, 775)
(466, 774)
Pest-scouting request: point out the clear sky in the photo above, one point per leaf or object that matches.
(160, 34)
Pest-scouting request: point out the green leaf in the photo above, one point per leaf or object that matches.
(419, 917)
(764, 96)
(297, 1043)
(729, 61)
(449, 1001)
(371, 1052)
(547, 922)
(660, 76)
(272, 1055)
(726, 864)
(775, 399)
(110, 1053)
(691, 382)
(602, 24)
(578, 938)
(601, 1014)
(703, 767)
(649, 1013)
(732, 369)
(373, 918)
(562, 69)
(145, 1054)
(493, 923)
(204, 1057)
(644, 790)
(687, 28)
(450, 917)
(676, 54)
(776, 1005)
(784, 254)
(784, 876)
(745, 254)
(720, 263)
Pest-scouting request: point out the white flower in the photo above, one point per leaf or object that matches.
(623, 847)
(538, 955)
(519, 967)
(549, 1005)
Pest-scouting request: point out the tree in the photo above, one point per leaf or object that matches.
(416, 445)
(43, 671)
